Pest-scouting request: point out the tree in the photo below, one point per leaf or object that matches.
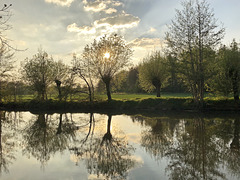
(153, 72)
(6, 66)
(4, 26)
(191, 35)
(82, 68)
(64, 79)
(107, 57)
(227, 71)
(38, 72)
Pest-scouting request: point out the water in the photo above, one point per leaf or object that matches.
(97, 146)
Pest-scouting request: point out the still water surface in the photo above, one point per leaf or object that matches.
(96, 146)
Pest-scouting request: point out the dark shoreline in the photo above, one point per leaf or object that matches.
(122, 107)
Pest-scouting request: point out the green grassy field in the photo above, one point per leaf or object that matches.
(124, 96)
(121, 96)
(122, 102)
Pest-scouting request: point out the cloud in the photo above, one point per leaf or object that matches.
(119, 21)
(100, 5)
(60, 2)
(111, 10)
(147, 43)
(106, 25)
(81, 30)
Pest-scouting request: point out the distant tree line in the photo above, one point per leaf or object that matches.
(194, 61)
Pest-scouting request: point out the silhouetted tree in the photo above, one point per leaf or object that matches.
(107, 57)
(82, 68)
(64, 79)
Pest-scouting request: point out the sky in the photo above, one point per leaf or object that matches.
(64, 27)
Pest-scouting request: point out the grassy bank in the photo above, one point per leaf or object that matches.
(129, 103)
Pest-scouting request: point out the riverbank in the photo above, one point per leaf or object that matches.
(150, 104)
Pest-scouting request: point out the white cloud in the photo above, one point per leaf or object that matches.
(106, 25)
(119, 21)
(81, 30)
(60, 2)
(111, 10)
(100, 5)
(96, 6)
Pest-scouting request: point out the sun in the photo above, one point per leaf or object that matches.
(107, 55)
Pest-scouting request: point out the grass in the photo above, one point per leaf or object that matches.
(124, 96)
(123, 102)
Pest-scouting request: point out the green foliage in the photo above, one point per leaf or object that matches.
(192, 34)
(153, 72)
(227, 70)
(39, 73)
(106, 57)
(6, 67)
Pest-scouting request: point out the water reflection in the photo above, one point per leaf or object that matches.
(7, 143)
(41, 138)
(105, 155)
(98, 146)
(196, 148)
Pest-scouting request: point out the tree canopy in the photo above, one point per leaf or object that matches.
(107, 57)
(190, 36)
(153, 72)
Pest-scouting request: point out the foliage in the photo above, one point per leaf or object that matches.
(227, 71)
(64, 79)
(106, 57)
(191, 35)
(82, 68)
(38, 72)
(153, 72)
(6, 66)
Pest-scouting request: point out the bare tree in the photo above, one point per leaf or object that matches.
(5, 15)
(191, 35)
(64, 79)
(106, 57)
(81, 67)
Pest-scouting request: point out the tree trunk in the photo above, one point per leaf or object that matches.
(235, 144)
(158, 88)
(59, 129)
(157, 83)
(107, 80)
(108, 135)
(58, 83)
(234, 77)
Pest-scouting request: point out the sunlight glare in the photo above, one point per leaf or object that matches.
(107, 55)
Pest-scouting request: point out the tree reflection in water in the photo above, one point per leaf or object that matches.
(158, 138)
(8, 139)
(195, 148)
(195, 154)
(106, 155)
(232, 154)
(43, 137)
